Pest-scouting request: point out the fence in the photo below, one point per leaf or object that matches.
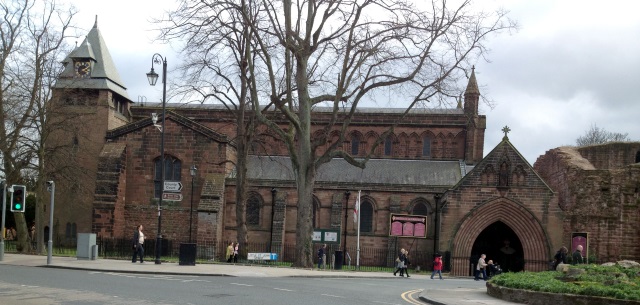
(371, 259)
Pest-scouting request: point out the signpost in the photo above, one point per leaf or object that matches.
(172, 186)
(172, 196)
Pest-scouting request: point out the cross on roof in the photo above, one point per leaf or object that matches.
(506, 130)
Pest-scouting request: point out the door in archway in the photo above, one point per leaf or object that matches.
(501, 244)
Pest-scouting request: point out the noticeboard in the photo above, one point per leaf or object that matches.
(327, 236)
(402, 225)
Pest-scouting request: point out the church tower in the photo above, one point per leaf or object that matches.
(88, 99)
(476, 124)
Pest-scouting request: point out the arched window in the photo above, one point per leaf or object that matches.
(420, 209)
(172, 168)
(355, 144)
(426, 147)
(638, 157)
(67, 232)
(316, 210)
(388, 146)
(253, 210)
(366, 217)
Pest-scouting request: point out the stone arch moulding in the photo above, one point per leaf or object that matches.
(526, 226)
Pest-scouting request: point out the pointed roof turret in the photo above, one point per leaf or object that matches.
(104, 74)
(472, 86)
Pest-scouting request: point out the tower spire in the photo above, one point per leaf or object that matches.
(95, 25)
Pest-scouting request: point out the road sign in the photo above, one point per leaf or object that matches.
(172, 196)
(172, 186)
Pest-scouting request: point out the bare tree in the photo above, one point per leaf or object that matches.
(215, 68)
(340, 54)
(32, 36)
(596, 135)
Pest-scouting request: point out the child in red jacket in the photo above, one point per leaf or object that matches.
(437, 266)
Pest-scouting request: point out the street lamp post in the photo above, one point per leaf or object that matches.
(346, 213)
(4, 210)
(193, 170)
(274, 191)
(152, 76)
(436, 235)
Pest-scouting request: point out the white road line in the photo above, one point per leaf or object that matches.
(238, 284)
(282, 289)
(333, 296)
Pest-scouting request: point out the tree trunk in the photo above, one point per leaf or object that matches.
(241, 192)
(22, 243)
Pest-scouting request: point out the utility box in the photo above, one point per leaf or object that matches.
(188, 254)
(86, 245)
(338, 260)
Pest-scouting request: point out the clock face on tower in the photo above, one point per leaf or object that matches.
(82, 68)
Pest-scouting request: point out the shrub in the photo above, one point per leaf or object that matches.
(603, 281)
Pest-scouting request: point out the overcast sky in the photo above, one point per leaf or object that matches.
(571, 64)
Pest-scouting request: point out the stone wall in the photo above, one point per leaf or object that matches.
(602, 199)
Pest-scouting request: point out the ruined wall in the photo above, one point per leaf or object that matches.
(603, 202)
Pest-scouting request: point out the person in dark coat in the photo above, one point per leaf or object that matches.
(577, 258)
(402, 257)
(138, 241)
(560, 257)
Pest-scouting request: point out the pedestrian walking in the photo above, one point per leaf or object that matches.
(406, 264)
(138, 242)
(437, 266)
(230, 248)
(481, 268)
(235, 253)
(400, 260)
(321, 255)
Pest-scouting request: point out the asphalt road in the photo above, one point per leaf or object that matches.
(36, 286)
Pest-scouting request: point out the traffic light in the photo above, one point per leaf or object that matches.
(18, 198)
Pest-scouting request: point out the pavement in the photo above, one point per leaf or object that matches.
(451, 295)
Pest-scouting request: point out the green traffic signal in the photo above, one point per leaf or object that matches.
(17, 198)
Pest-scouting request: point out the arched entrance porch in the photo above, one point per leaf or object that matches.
(494, 215)
(501, 245)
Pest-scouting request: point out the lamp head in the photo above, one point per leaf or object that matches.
(152, 76)
(193, 170)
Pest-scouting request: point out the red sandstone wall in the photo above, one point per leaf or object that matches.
(603, 203)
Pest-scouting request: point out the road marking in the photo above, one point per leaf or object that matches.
(282, 289)
(238, 284)
(408, 297)
(333, 296)
(384, 303)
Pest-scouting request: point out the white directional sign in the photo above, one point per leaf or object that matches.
(172, 186)
(172, 196)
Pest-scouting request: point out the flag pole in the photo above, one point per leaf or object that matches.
(358, 238)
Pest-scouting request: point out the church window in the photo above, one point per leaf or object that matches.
(316, 211)
(366, 217)
(388, 146)
(420, 209)
(355, 144)
(426, 147)
(253, 209)
(172, 168)
(638, 157)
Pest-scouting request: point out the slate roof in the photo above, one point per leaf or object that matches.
(381, 111)
(377, 171)
(104, 74)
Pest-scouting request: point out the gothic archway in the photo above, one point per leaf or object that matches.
(501, 245)
(525, 226)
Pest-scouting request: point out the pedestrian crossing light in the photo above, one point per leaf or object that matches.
(18, 198)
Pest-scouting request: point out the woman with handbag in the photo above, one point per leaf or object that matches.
(400, 262)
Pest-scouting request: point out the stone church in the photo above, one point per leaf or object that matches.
(104, 155)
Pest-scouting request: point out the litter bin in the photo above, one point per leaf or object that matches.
(188, 254)
(338, 260)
